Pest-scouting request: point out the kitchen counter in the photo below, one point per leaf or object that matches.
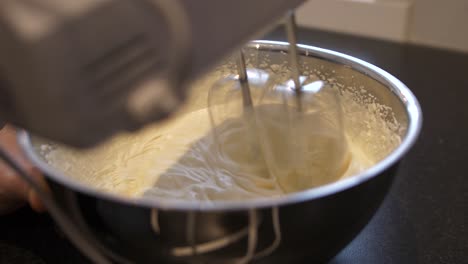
(424, 217)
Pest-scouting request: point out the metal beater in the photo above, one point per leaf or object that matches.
(291, 32)
(311, 121)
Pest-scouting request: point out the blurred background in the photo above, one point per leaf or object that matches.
(435, 23)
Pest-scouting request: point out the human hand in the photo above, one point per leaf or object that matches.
(14, 192)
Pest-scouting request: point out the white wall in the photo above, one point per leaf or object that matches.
(381, 19)
(440, 23)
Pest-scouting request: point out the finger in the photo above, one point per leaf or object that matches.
(34, 199)
(11, 183)
(12, 191)
(35, 202)
(9, 143)
(17, 188)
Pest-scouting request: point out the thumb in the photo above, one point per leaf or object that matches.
(33, 197)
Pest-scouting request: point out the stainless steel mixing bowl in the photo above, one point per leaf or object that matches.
(312, 225)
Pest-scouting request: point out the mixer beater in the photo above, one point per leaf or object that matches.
(308, 143)
(291, 31)
(310, 121)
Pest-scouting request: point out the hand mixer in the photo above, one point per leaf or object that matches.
(79, 71)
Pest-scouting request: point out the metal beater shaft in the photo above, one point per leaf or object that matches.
(244, 81)
(291, 32)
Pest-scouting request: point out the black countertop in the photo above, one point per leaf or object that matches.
(422, 220)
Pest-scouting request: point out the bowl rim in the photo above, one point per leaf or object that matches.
(413, 111)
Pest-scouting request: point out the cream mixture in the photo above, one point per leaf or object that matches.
(183, 158)
(180, 160)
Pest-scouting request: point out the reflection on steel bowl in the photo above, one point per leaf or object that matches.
(307, 225)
